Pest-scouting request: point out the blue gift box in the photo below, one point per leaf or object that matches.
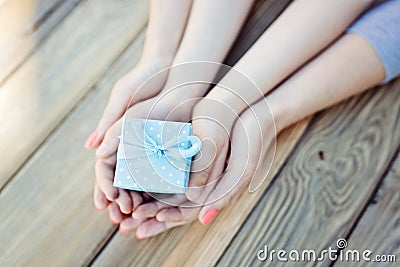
(155, 156)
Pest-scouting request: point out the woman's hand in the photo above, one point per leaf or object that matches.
(252, 150)
(348, 67)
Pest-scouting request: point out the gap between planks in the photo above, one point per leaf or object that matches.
(24, 33)
(67, 230)
(43, 90)
(314, 202)
(113, 252)
(378, 229)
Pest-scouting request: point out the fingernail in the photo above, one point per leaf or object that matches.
(113, 222)
(138, 236)
(209, 216)
(91, 139)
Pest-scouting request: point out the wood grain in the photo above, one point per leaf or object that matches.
(125, 250)
(379, 227)
(23, 25)
(190, 244)
(60, 72)
(47, 215)
(262, 15)
(317, 199)
(207, 244)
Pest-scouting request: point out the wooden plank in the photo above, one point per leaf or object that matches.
(43, 10)
(19, 23)
(378, 229)
(260, 18)
(198, 238)
(327, 182)
(191, 243)
(42, 26)
(43, 90)
(47, 214)
(125, 250)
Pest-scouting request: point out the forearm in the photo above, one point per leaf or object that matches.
(302, 31)
(167, 22)
(211, 30)
(349, 67)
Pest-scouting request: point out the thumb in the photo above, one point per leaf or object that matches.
(110, 142)
(227, 191)
(117, 104)
(242, 165)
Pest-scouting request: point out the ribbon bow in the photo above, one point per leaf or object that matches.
(137, 144)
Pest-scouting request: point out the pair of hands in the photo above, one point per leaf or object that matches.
(214, 181)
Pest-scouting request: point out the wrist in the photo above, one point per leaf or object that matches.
(216, 111)
(164, 55)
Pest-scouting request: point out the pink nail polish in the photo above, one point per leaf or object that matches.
(91, 139)
(209, 216)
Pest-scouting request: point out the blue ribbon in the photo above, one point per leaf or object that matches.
(137, 144)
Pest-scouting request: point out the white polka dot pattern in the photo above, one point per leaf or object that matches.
(153, 173)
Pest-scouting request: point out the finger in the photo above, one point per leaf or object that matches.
(143, 109)
(115, 213)
(100, 200)
(93, 140)
(128, 224)
(110, 142)
(153, 227)
(201, 181)
(209, 163)
(177, 214)
(137, 199)
(146, 197)
(129, 90)
(242, 166)
(104, 179)
(117, 104)
(186, 211)
(124, 201)
(150, 209)
(147, 210)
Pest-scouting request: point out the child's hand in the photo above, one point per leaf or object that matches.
(160, 107)
(253, 138)
(212, 124)
(126, 92)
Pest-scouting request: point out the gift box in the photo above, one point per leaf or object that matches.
(155, 156)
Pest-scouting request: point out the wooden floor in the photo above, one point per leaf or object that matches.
(336, 175)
